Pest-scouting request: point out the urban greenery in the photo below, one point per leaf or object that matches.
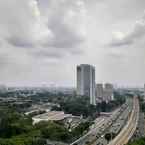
(142, 104)
(17, 129)
(81, 106)
(140, 141)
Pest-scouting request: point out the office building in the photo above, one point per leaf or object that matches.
(3, 88)
(86, 82)
(144, 91)
(99, 91)
(108, 92)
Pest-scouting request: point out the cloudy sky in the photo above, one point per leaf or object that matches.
(42, 41)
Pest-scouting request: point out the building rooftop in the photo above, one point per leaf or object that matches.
(51, 116)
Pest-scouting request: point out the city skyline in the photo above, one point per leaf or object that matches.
(42, 41)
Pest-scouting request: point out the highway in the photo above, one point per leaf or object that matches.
(116, 124)
(101, 124)
(84, 138)
(122, 122)
(127, 132)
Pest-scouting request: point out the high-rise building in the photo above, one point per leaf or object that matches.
(3, 88)
(99, 91)
(86, 82)
(144, 91)
(108, 92)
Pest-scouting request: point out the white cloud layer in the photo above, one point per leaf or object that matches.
(137, 33)
(23, 25)
(42, 41)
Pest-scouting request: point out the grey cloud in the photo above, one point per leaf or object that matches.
(47, 54)
(17, 20)
(130, 38)
(51, 53)
(34, 24)
(120, 43)
(38, 36)
(65, 34)
(4, 61)
(20, 42)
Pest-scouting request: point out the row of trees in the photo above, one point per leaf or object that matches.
(81, 106)
(72, 103)
(78, 106)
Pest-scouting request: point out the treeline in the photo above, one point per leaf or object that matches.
(142, 103)
(81, 106)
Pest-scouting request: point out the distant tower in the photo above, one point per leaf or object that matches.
(86, 82)
(144, 91)
(3, 88)
(99, 91)
(108, 92)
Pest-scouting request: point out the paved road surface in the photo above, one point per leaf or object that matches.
(127, 132)
(98, 123)
(91, 135)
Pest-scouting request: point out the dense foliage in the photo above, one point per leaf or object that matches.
(17, 129)
(142, 103)
(79, 106)
(138, 142)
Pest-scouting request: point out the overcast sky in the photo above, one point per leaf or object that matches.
(42, 41)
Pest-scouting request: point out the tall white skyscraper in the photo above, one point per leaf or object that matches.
(86, 82)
